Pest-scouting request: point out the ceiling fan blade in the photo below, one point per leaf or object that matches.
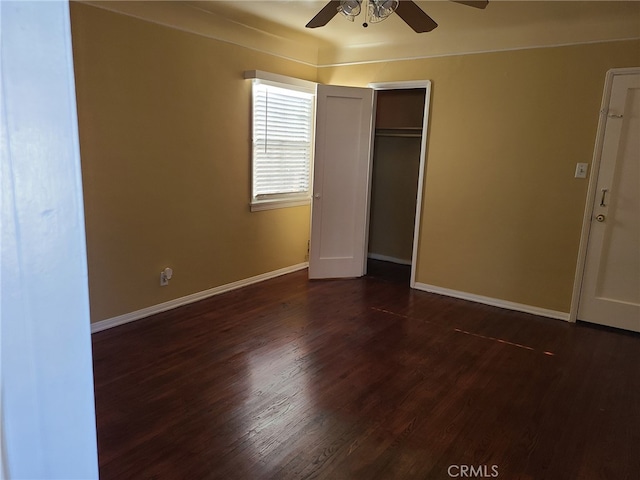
(413, 16)
(472, 3)
(329, 11)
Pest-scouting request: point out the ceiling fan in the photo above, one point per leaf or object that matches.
(378, 10)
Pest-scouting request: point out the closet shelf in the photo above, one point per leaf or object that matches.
(409, 132)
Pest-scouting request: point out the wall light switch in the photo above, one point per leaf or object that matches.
(581, 170)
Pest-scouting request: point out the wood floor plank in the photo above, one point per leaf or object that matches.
(363, 379)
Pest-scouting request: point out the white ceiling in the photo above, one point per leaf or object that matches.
(280, 25)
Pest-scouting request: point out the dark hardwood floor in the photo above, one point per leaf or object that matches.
(363, 379)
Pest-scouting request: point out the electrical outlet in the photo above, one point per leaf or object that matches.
(581, 170)
(165, 276)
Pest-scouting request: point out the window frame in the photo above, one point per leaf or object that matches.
(281, 200)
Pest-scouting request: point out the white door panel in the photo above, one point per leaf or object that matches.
(342, 164)
(610, 292)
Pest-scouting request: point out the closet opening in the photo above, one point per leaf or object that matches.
(398, 154)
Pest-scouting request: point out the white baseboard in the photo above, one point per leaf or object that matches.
(496, 302)
(386, 258)
(178, 302)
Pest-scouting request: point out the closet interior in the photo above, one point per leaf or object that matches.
(396, 164)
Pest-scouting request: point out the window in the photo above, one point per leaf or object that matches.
(282, 142)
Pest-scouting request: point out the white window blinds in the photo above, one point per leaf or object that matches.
(282, 141)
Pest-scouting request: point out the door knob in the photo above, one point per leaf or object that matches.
(600, 218)
(317, 195)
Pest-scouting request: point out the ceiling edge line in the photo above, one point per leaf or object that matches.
(201, 34)
(460, 54)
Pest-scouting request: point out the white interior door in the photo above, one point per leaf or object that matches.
(610, 292)
(342, 167)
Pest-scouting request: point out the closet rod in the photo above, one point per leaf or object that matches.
(406, 135)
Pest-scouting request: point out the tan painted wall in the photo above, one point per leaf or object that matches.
(165, 144)
(502, 212)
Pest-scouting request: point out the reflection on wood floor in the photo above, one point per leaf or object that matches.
(363, 379)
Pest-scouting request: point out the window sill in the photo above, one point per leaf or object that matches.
(259, 205)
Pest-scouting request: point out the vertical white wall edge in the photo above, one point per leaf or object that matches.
(48, 408)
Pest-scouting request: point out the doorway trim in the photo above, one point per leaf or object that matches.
(591, 191)
(426, 84)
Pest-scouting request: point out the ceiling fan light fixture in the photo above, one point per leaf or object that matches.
(379, 10)
(350, 9)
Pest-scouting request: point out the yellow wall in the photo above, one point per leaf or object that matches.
(502, 212)
(165, 145)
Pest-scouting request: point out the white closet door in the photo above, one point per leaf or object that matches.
(342, 168)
